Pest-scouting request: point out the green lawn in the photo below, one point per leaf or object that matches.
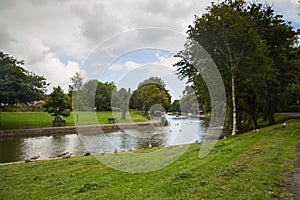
(247, 166)
(16, 120)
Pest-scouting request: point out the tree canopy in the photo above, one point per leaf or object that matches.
(120, 100)
(150, 92)
(18, 85)
(104, 94)
(58, 104)
(253, 50)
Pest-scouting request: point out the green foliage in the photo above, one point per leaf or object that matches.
(18, 85)
(58, 104)
(77, 81)
(260, 161)
(189, 101)
(280, 39)
(150, 93)
(175, 106)
(255, 53)
(88, 94)
(93, 94)
(103, 96)
(153, 80)
(120, 101)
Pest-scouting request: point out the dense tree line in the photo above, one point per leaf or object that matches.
(20, 86)
(256, 54)
(94, 94)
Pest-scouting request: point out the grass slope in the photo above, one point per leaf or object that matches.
(17, 120)
(247, 166)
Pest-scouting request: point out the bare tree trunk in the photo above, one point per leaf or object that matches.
(233, 105)
(254, 121)
(124, 110)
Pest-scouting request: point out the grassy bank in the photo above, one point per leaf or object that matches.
(247, 166)
(16, 120)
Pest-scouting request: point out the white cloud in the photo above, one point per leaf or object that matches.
(129, 65)
(54, 37)
(289, 9)
(56, 72)
(116, 67)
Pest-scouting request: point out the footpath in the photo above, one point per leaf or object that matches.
(294, 184)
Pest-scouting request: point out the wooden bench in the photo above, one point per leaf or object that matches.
(112, 120)
(59, 123)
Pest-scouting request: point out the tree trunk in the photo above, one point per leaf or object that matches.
(233, 105)
(271, 119)
(124, 110)
(254, 121)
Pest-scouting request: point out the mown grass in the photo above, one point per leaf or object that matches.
(17, 120)
(247, 166)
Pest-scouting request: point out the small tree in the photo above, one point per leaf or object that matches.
(58, 104)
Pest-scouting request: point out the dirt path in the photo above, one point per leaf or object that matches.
(294, 184)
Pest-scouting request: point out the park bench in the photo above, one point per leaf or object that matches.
(112, 120)
(59, 122)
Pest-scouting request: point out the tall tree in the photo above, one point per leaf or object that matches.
(175, 106)
(104, 94)
(18, 85)
(120, 99)
(280, 39)
(189, 101)
(228, 34)
(77, 82)
(75, 91)
(88, 93)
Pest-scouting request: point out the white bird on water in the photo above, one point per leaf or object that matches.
(34, 157)
(67, 155)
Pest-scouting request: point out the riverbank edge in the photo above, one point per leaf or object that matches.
(73, 129)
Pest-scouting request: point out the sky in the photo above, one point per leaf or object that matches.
(124, 41)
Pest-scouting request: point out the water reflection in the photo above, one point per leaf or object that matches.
(178, 131)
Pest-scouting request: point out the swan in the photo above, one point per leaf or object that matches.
(34, 157)
(67, 155)
(63, 154)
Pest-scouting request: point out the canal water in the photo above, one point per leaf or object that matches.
(178, 131)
